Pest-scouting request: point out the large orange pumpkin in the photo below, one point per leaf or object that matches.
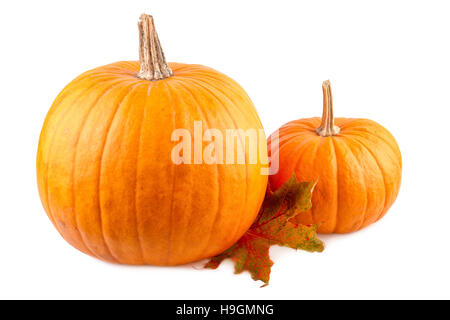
(104, 167)
(356, 162)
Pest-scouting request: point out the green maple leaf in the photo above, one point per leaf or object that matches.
(272, 226)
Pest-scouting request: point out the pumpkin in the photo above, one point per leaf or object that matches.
(105, 171)
(356, 163)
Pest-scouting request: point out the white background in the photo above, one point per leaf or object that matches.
(387, 61)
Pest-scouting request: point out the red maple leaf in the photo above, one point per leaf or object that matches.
(272, 226)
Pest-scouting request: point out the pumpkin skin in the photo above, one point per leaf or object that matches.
(358, 171)
(105, 174)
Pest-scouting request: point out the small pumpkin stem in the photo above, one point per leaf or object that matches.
(152, 60)
(327, 127)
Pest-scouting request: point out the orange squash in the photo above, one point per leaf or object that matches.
(104, 169)
(356, 162)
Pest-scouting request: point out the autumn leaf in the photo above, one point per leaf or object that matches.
(272, 226)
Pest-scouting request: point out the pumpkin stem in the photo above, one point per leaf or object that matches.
(327, 127)
(152, 60)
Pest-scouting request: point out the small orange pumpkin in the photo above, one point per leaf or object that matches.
(356, 162)
(104, 169)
